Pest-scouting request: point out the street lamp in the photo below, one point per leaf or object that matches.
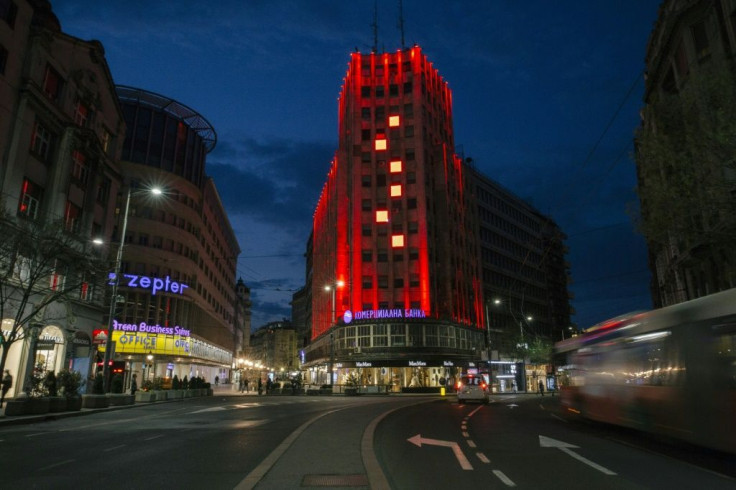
(333, 288)
(114, 296)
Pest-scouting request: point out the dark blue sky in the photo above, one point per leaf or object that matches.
(546, 100)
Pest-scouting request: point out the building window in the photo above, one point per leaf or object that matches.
(409, 132)
(8, 12)
(381, 180)
(41, 142)
(57, 278)
(410, 154)
(365, 91)
(382, 282)
(81, 114)
(398, 282)
(394, 121)
(365, 113)
(365, 135)
(30, 199)
(365, 181)
(52, 83)
(396, 190)
(395, 166)
(411, 203)
(413, 253)
(393, 90)
(411, 177)
(3, 59)
(86, 290)
(366, 230)
(79, 167)
(367, 255)
(407, 88)
(367, 282)
(397, 241)
(382, 216)
(413, 227)
(381, 143)
(366, 204)
(103, 191)
(382, 255)
(72, 217)
(399, 257)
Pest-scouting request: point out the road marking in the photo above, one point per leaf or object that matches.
(463, 427)
(568, 449)
(505, 479)
(153, 437)
(213, 409)
(471, 443)
(466, 434)
(114, 448)
(56, 464)
(464, 463)
(483, 457)
(559, 418)
(37, 434)
(513, 405)
(473, 412)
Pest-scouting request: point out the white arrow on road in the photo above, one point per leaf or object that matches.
(418, 440)
(567, 448)
(513, 405)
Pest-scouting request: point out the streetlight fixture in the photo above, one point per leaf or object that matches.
(333, 288)
(156, 191)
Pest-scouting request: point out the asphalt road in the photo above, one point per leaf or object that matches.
(398, 442)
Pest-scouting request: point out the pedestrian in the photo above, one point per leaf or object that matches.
(217, 380)
(134, 385)
(269, 385)
(541, 387)
(245, 385)
(6, 384)
(260, 386)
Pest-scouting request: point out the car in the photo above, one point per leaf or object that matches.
(472, 388)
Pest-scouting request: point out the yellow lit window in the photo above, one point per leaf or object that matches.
(394, 121)
(397, 241)
(380, 143)
(396, 190)
(395, 166)
(382, 216)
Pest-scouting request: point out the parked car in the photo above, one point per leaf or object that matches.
(472, 388)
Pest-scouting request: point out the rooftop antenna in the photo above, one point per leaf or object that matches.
(375, 26)
(401, 22)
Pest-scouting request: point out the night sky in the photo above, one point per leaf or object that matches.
(546, 99)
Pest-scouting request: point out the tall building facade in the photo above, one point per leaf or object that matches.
(182, 312)
(684, 150)
(411, 245)
(396, 276)
(61, 131)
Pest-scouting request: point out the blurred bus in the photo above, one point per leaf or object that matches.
(670, 371)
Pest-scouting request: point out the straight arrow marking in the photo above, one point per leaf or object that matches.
(567, 448)
(418, 440)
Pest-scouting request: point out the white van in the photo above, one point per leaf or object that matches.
(472, 387)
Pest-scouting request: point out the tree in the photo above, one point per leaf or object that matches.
(686, 159)
(44, 271)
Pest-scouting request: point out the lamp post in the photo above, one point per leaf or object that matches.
(114, 295)
(332, 288)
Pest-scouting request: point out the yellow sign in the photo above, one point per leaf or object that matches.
(154, 343)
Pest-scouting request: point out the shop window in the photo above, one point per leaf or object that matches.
(30, 199)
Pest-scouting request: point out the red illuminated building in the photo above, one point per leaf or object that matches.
(396, 260)
(391, 222)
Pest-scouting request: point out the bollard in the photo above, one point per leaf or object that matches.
(442, 391)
